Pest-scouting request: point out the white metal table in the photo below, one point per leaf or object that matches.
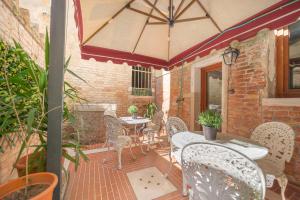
(135, 122)
(253, 151)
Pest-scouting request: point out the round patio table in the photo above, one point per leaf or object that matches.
(244, 146)
(135, 122)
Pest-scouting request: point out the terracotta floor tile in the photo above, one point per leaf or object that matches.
(96, 180)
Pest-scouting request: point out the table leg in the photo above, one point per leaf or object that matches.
(139, 141)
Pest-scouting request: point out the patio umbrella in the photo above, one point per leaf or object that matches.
(165, 33)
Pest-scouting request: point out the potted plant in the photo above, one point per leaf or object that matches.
(211, 121)
(150, 110)
(24, 103)
(133, 111)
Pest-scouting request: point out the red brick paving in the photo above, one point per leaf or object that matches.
(96, 180)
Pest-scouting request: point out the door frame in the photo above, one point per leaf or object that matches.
(203, 91)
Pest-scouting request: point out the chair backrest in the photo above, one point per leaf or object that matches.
(157, 118)
(110, 112)
(113, 127)
(279, 138)
(215, 171)
(175, 125)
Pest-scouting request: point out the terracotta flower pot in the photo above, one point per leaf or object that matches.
(210, 133)
(33, 179)
(37, 163)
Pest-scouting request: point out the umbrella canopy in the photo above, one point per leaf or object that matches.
(164, 33)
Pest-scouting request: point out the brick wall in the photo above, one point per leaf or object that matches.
(15, 25)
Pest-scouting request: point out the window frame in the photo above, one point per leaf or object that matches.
(282, 66)
(141, 80)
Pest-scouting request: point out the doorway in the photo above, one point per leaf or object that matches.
(211, 88)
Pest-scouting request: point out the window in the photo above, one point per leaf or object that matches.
(288, 61)
(141, 81)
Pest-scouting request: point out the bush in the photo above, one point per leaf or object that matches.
(210, 118)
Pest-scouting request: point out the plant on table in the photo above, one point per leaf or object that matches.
(133, 110)
(211, 121)
(150, 110)
(24, 104)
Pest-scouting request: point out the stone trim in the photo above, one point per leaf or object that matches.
(295, 102)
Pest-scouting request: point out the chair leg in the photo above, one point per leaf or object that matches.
(170, 166)
(131, 153)
(282, 180)
(119, 151)
(104, 160)
(184, 186)
(149, 141)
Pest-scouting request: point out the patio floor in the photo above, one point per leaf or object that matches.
(97, 180)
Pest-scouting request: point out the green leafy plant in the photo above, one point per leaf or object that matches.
(150, 110)
(24, 103)
(132, 109)
(210, 118)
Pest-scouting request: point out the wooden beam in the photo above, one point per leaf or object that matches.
(146, 14)
(106, 23)
(157, 23)
(169, 42)
(183, 10)
(55, 91)
(208, 15)
(179, 7)
(156, 9)
(191, 19)
(137, 42)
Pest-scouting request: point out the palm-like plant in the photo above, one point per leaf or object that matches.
(24, 103)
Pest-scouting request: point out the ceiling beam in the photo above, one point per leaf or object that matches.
(146, 14)
(140, 36)
(106, 23)
(208, 15)
(191, 19)
(156, 9)
(183, 10)
(179, 7)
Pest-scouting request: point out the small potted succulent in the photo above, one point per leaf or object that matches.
(133, 111)
(211, 121)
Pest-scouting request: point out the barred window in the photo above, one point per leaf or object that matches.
(141, 81)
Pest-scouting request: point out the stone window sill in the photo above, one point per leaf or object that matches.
(281, 102)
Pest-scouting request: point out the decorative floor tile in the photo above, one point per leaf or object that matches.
(149, 183)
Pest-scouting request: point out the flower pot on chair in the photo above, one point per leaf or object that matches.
(210, 133)
(12, 189)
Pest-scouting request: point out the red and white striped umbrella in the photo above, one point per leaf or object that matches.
(164, 33)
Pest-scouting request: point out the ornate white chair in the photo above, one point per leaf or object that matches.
(153, 127)
(217, 172)
(174, 125)
(279, 139)
(115, 137)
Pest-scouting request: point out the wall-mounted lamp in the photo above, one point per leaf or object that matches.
(230, 55)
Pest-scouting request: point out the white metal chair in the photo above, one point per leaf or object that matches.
(217, 172)
(116, 137)
(279, 138)
(174, 125)
(153, 127)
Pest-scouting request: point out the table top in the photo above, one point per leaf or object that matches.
(131, 121)
(253, 151)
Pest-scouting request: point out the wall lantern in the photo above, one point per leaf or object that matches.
(230, 55)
